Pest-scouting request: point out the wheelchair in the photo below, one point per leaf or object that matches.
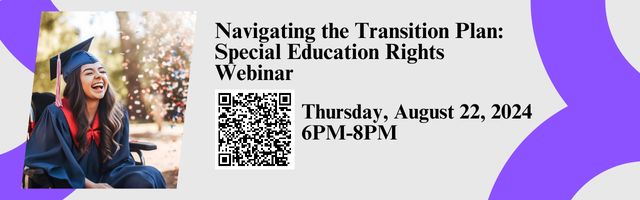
(37, 177)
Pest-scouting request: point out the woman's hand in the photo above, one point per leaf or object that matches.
(91, 185)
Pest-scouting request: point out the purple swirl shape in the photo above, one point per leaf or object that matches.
(20, 20)
(11, 171)
(599, 128)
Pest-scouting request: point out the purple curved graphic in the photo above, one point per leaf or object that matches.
(600, 127)
(21, 24)
(11, 171)
(20, 21)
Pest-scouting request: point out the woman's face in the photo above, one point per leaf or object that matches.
(94, 81)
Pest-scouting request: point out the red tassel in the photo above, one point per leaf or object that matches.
(58, 101)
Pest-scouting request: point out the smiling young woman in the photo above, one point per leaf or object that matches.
(82, 140)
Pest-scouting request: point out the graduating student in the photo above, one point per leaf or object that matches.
(82, 140)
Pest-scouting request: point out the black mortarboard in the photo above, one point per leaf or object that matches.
(71, 59)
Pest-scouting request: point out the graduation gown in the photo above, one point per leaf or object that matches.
(52, 147)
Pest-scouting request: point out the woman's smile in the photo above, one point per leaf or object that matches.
(94, 81)
(98, 87)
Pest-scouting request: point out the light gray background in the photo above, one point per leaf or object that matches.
(452, 159)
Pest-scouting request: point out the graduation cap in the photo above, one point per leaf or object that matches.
(68, 61)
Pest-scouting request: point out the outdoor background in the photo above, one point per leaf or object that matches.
(147, 56)
(447, 160)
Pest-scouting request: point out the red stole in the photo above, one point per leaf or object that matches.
(92, 132)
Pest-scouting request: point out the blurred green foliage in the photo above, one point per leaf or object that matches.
(56, 36)
(148, 59)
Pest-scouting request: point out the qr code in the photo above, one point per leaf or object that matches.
(255, 129)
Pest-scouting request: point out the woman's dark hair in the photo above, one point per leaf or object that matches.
(109, 111)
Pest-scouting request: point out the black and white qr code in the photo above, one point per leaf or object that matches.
(255, 129)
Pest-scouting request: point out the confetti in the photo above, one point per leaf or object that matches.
(165, 51)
